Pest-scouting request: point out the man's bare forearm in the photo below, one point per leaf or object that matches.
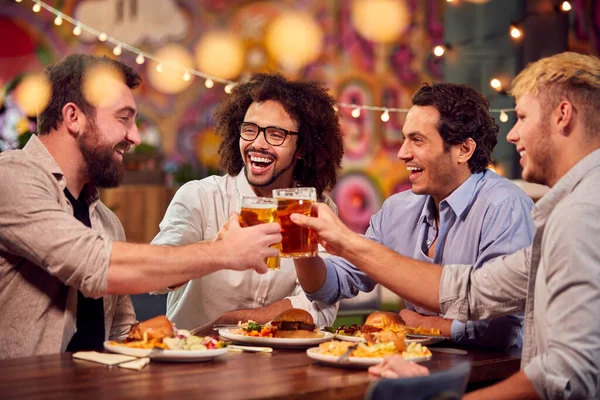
(140, 268)
(415, 281)
(517, 386)
(311, 273)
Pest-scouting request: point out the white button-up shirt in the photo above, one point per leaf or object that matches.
(197, 212)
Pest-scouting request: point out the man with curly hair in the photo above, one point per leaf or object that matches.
(277, 133)
(458, 211)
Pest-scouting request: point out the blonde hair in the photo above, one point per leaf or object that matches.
(571, 76)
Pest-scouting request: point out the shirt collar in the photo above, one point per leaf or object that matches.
(564, 186)
(458, 200)
(36, 149)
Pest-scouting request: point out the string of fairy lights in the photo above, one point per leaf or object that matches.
(209, 80)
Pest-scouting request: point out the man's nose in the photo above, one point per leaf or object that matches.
(404, 153)
(133, 135)
(513, 136)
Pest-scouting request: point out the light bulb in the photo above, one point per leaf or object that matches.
(385, 117)
(36, 7)
(18, 1)
(117, 50)
(77, 30)
(58, 20)
(439, 51)
(503, 116)
(102, 37)
(515, 32)
(228, 88)
(356, 112)
(209, 83)
(566, 6)
(140, 59)
(496, 84)
(159, 67)
(187, 76)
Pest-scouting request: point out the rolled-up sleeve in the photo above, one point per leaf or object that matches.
(36, 227)
(507, 227)
(497, 289)
(570, 367)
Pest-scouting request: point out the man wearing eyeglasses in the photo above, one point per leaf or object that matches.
(276, 134)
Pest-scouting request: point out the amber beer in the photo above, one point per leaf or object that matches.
(259, 210)
(297, 242)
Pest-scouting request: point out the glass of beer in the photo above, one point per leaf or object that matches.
(297, 242)
(260, 210)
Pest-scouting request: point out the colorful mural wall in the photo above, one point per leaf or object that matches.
(356, 70)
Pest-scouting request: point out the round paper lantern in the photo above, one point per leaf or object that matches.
(294, 39)
(33, 94)
(170, 76)
(101, 85)
(381, 21)
(221, 54)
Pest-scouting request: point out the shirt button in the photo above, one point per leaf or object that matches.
(428, 242)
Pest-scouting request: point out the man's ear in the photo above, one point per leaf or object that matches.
(72, 118)
(563, 115)
(466, 150)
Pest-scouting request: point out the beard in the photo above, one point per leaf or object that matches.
(540, 157)
(276, 172)
(103, 170)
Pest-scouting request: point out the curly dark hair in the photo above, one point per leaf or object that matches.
(464, 113)
(309, 105)
(66, 77)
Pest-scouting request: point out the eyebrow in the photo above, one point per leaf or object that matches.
(130, 110)
(412, 134)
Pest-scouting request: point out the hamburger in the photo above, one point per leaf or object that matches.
(383, 327)
(294, 323)
(155, 328)
(383, 320)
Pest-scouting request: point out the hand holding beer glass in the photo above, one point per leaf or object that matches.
(259, 210)
(297, 242)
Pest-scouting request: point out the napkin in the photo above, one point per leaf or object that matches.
(123, 361)
(136, 364)
(102, 358)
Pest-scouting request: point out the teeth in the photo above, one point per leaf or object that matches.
(261, 160)
(522, 153)
(414, 169)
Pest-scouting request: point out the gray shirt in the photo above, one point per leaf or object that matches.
(46, 255)
(556, 281)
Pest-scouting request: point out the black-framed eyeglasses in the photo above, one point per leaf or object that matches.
(275, 136)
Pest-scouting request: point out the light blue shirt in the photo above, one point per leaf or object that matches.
(485, 217)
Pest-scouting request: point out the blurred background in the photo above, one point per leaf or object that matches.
(372, 55)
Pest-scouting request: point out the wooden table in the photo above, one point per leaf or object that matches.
(284, 374)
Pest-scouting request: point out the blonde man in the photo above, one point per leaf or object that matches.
(555, 281)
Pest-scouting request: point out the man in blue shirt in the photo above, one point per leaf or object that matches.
(457, 212)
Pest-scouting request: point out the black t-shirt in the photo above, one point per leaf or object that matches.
(90, 312)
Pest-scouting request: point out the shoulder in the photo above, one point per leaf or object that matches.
(16, 163)
(496, 191)
(208, 186)
(406, 199)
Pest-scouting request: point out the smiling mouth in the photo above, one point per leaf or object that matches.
(260, 162)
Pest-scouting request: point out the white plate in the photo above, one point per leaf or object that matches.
(424, 341)
(275, 342)
(315, 354)
(347, 338)
(168, 355)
